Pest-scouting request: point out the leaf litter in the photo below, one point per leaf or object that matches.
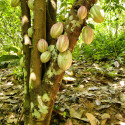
(90, 94)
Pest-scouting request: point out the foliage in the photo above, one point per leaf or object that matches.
(109, 38)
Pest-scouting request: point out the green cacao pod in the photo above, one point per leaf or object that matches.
(31, 4)
(51, 48)
(20, 45)
(19, 52)
(30, 31)
(62, 43)
(56, 30)
(22, 62)
(15, 3)
(87, 35)
(42, 45)
(64, 60)
(97, 13)
(45, 57)
(82, 12)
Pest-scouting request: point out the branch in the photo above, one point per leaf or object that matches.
(73, 25)
(54, 74)
(51, 19)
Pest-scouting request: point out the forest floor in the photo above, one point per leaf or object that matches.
(90, 94)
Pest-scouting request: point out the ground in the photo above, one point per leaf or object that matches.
(90, 94)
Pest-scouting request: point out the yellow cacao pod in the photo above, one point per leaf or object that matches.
(64, 60)
(27, 40)
(42, 45)
(62, 43)
(87, 35)
(82, 12)
(97, 14)
(56, 30)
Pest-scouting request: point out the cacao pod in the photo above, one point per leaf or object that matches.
(64, 60)
(62, 43)
(45, 57)
(31, 4)
(30, 31)
(97, 14)
(51, 48)
(19, 52)
(56, 30)
(87, 35)
(15, 3)
(21, 62)
(27, 40)
(32, 76)
(82, 12)
(20, 45)
(42, 45)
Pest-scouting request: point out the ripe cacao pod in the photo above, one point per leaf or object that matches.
(97, 13)
(32, 76)
(31, 4)
(45, 57)
(15, 3)
(42, 45)
(64, 60)
(87, 35)
(62, 43)
(56, 30)
(82, 12)
(30, 31)
(27, 40)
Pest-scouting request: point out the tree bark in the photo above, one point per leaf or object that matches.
(43, 89)
(54, 74)
(35, 89)
(26, 23)
(50, 19)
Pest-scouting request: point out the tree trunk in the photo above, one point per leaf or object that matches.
(26, 23)
(43, 88)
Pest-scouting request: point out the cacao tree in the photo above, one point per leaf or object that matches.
(43, 72)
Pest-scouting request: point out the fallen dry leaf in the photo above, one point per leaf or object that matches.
(68, 122)
(92, 119)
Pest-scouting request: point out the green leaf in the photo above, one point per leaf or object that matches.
(13, 48)
(8, 57)
(91, 25)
